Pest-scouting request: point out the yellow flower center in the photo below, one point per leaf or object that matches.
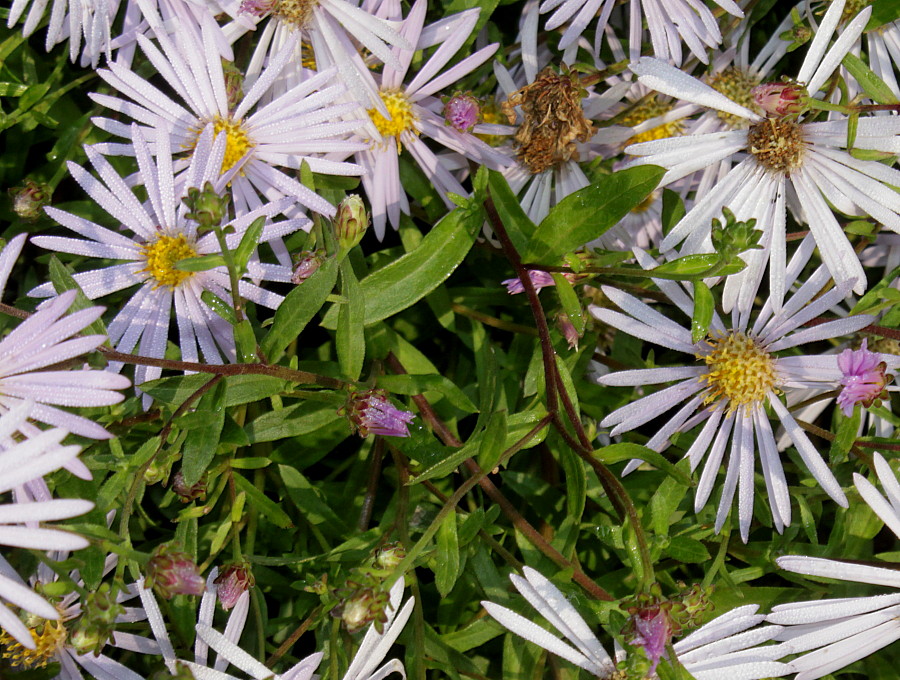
(740, 371)
(736, 85)
(162, 255)
(47, 643)
(647, 109)
(237, 142)
(854, 7)
(297, 13)
(777, 143)
(402, 118)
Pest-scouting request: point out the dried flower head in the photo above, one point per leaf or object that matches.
(553, 120)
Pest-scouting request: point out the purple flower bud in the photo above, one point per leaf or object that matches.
(371, 412)
(171, 572)
(780, 99)
(539, 278)
(567, 328)
(461, 111)
(29, 200)
(864, 378)
(307, 263)
(234, 581)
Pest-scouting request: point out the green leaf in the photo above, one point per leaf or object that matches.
(308, 499)
(298, 309)
(588, 213)
(411, 384)
(248, 244)
(576, 482)
(62, 281)
(871, 84)
(672, 209)
(664, 503)
(245, 342)
(219, 306)
(691, 267)
(201, 263)
(350, 339)
(703, 311)
(200, 444)
(411, 277)
(292, 421)
(242, 389)
(263, 503)
(571, 305)
(446, 567)
(687, 550)
(492, 444)
(883, 12)
(517, 224)
(616, 453)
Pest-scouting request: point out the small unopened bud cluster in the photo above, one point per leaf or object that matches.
(363, 599)
(95, 626)
(172, 572)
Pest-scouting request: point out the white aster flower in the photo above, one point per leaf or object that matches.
(841, 631)
(724, 647)
(90, 20)
(783, 161)
(161, 235)
(295, 127)
(21, 464)
(49, 337)
(413, 112)
(670, 22)
(739, 378)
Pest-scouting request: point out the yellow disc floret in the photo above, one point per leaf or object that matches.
(162, 254)
(237, 142)
(740, 371)
(48, 636)
(737, 85)
(402, 117)
(651, 107)
(296, 13)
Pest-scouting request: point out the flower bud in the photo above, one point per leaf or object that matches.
(29, 200)
(568, 330)
(780, 99)
(186, 493)
(97, 622)
(371, 412)
(461, 111)
(362, 606)
(351, 222)
(234, 581)
(389, 556)
(234, 84)
(207, 208)
(307, 263)
(171, 572)
(864, 379)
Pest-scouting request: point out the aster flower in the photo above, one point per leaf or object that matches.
(670, 22)
(412, 111)
(724, 647)
(162, 235)
(539, 279)
(739, 379)
(780, 158)
(90, 20)
(864, 379)
(20, 464)
(298, 126)
(841, 631)
(47, 338)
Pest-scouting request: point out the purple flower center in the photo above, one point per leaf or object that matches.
(461, 112)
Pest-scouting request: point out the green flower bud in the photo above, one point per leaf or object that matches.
(351, 222)
(29, 200)
(207, 208)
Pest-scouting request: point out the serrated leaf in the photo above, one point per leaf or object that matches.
(704, 305)
(298, 309)
(589, 213)
(411, 277)
(447, 558)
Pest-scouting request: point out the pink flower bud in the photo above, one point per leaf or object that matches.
(234, 581)
(370, 412)
(780, 99)
(186, 493)
(864, 380)
(308, 262)
(29, 200)
(461, 111)
(171, 572)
